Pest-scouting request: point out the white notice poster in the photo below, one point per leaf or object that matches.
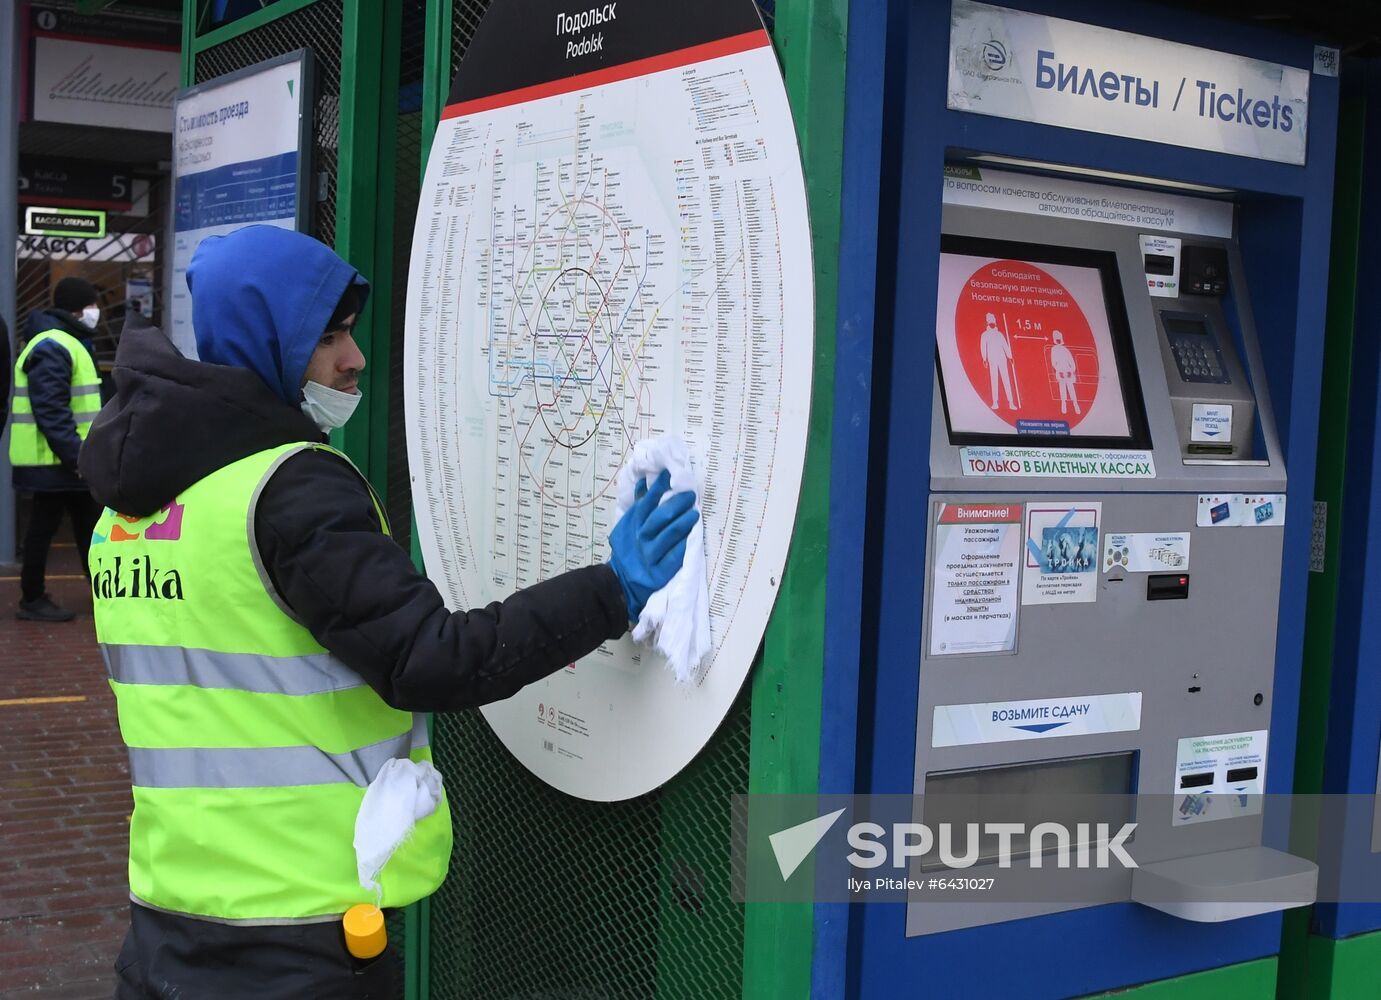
(1061, 564)
(977, 564)
(612, 244)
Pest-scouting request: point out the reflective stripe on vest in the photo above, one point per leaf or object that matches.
(271, 767)
(28, 446)
(265, 767)
(205, 668)
(250, 745)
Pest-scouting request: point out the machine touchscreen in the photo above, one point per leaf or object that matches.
(1032, 343)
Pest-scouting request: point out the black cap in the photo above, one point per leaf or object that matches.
(75, 294)
(350, 304)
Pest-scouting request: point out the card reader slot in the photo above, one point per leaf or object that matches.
(1242, 774)
(1196, 780)
(1160, 263)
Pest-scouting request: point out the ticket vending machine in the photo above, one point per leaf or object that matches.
(1099, 339)
(1105, 474)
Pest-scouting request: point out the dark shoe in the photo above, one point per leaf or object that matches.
(43, 610)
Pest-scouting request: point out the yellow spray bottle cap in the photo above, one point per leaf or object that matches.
(365, 934)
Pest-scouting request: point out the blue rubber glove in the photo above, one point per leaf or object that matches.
(648, 544)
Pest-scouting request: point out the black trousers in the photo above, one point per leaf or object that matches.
(44, 518)
(166, 957)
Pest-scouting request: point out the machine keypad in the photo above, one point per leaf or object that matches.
(1198, 363)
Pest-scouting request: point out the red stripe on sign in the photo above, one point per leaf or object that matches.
(730, 46)
(984, 513)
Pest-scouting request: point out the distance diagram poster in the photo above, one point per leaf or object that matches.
(1025, 348)
(612, 243)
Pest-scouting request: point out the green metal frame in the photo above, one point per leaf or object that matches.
(810, 37)
(436, 84)
(364, 217)
(1338, 969)
(194, 41)
(1300, 949)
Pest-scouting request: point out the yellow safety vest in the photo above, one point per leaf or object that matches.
(28, 446)
(250, 745)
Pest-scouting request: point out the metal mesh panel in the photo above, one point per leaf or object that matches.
(317, 27)
(552, 897)
(768, 10)
(465, 18)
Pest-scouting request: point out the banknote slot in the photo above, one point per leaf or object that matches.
(1167, 587)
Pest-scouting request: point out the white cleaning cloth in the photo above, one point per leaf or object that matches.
(676, 619)
(403, 793)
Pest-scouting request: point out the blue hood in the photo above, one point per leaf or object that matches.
(261, 298)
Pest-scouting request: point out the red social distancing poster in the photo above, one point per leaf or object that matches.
(1025, 349)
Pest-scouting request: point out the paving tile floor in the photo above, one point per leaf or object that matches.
(64, 799)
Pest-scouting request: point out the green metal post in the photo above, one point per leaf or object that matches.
(810, 37)
(189, 35)
(436, 84)
(1316, 687)
(371, 46)
(436, 71)
(369, 72)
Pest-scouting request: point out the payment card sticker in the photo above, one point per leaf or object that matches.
(1241, 510)
(1219, 777)
(1062, 553)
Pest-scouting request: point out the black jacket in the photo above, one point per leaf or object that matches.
(6, 363)
(49, 370)
(174, 421)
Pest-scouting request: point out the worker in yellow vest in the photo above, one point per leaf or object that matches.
(57, 391)
(269, 645)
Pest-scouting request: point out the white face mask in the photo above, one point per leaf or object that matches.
(91, 315)
(329, 408)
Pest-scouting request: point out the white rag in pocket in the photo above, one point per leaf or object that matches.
(402, 794)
